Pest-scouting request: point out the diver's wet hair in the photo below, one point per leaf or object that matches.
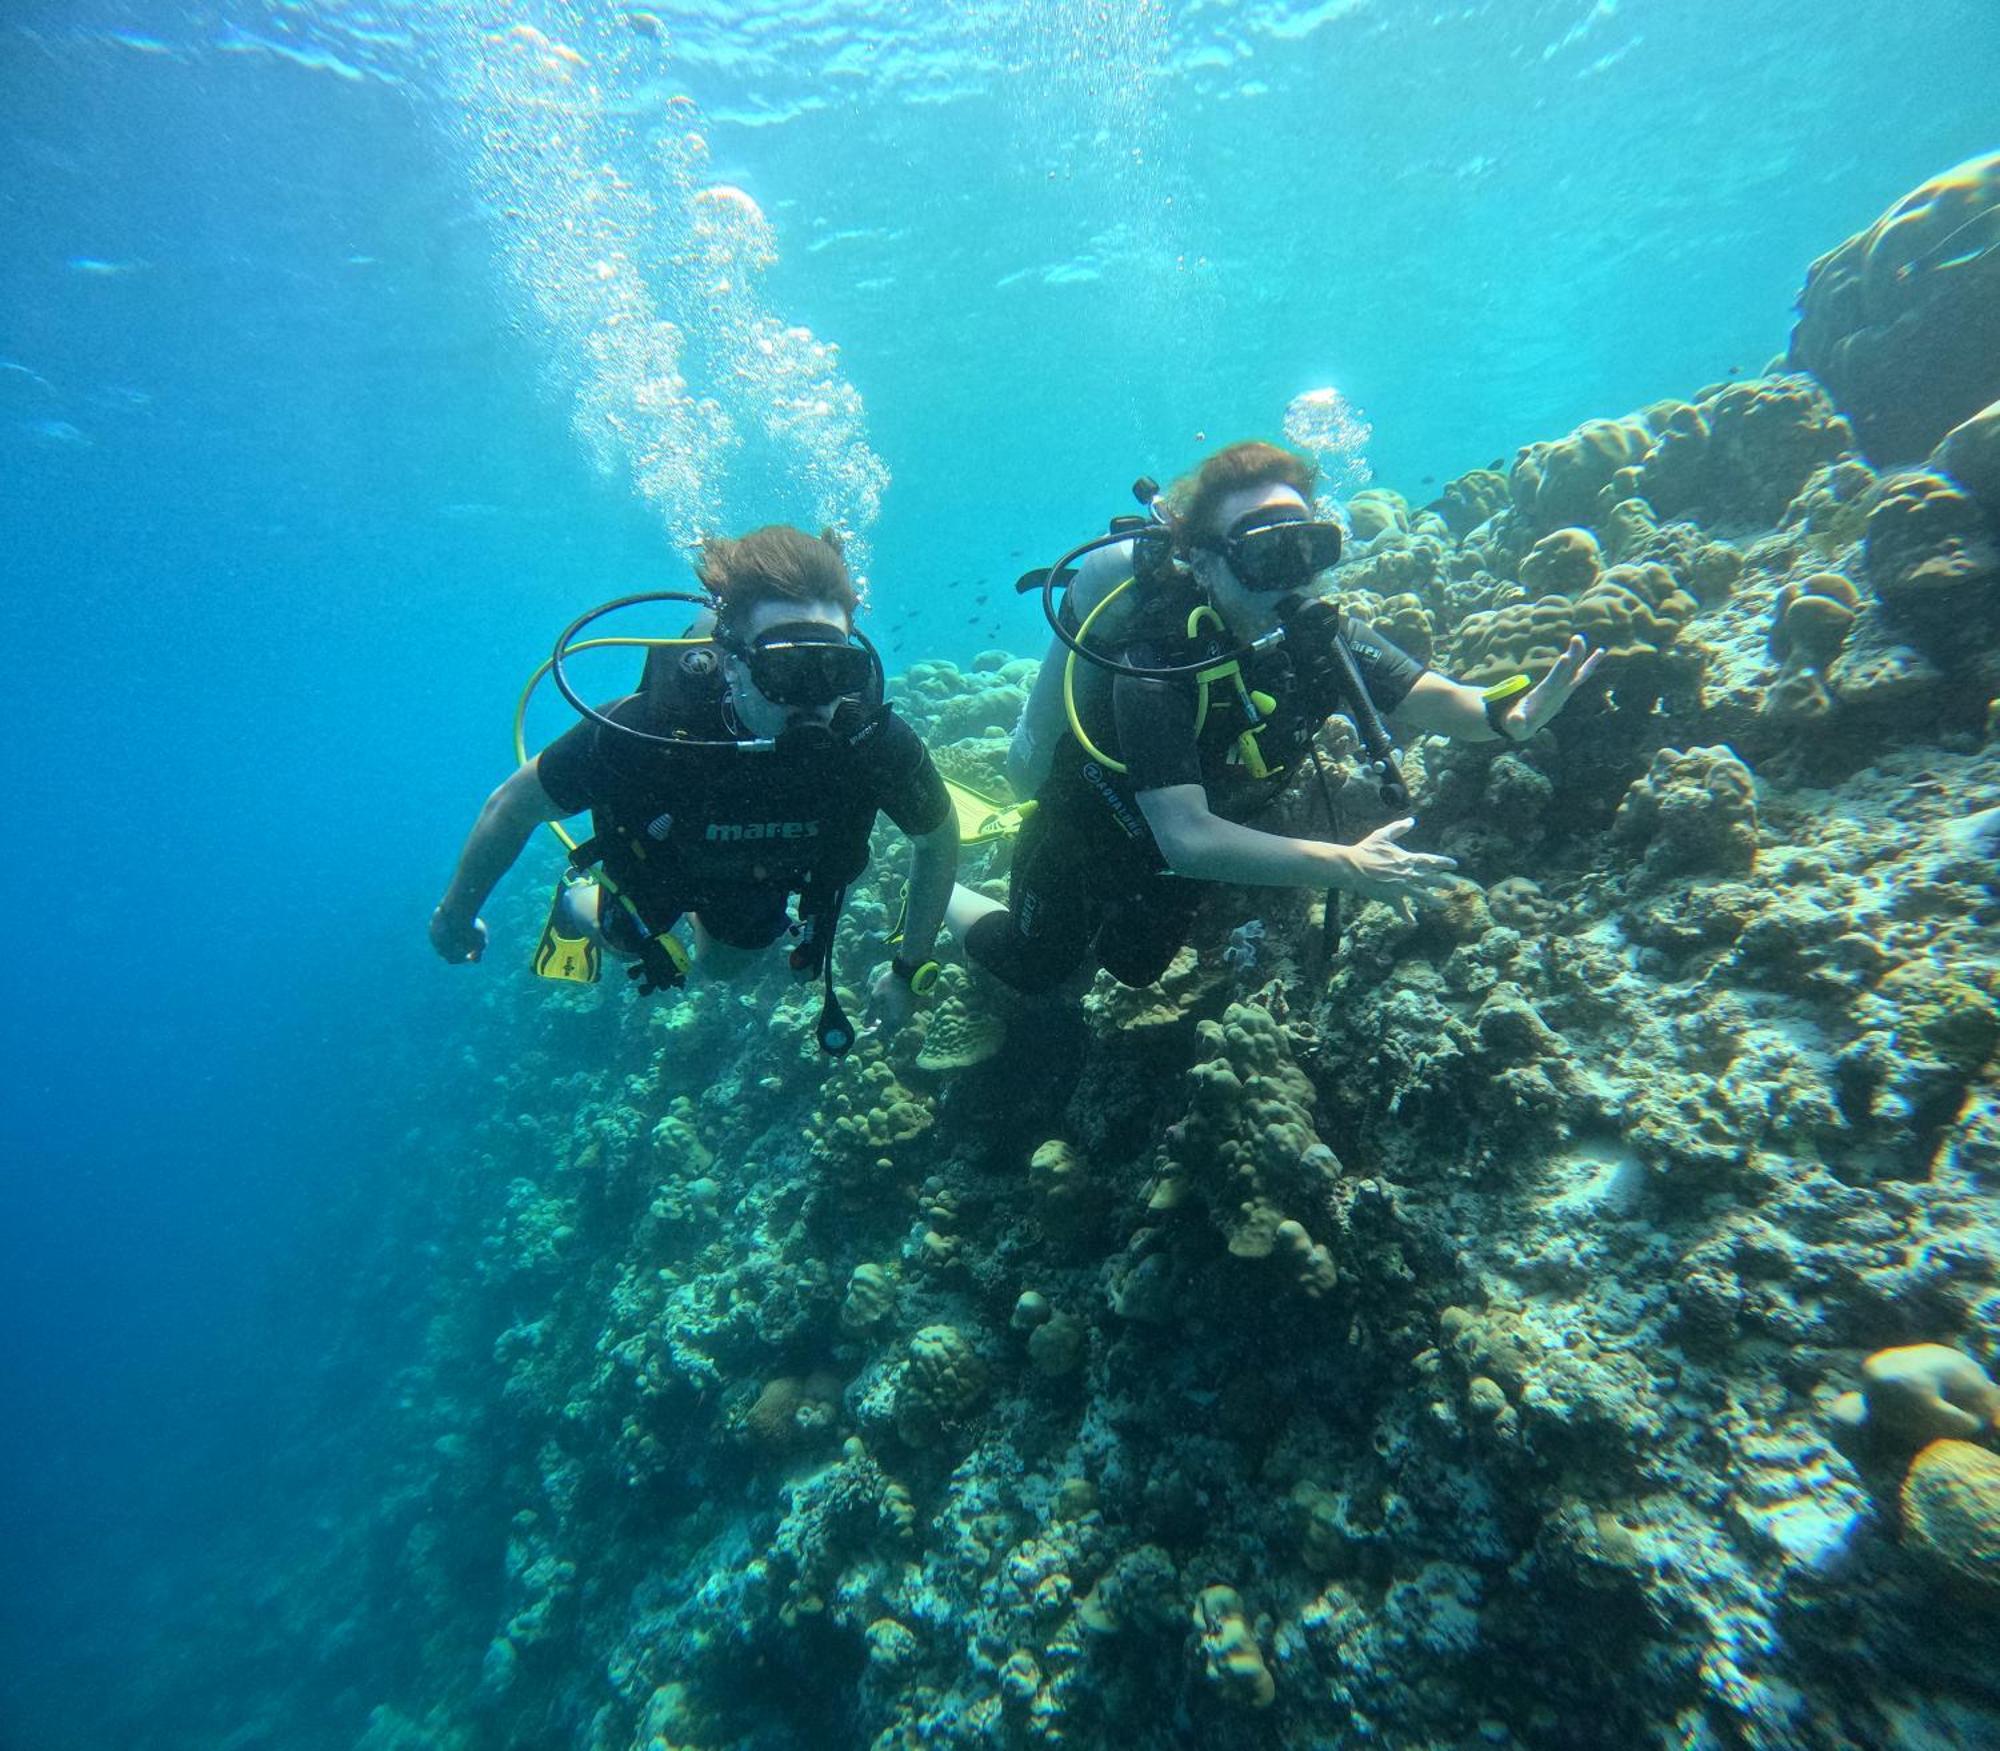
(1252, 463)
(776, 563)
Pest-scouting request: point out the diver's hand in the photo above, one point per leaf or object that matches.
(1540, 704)
(891, 1002)
(456, 939)
(1378, 868)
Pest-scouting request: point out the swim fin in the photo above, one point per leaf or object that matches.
(558, 955)
(981, 818)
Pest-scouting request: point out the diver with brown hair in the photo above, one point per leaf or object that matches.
(1191, 669)
(749, 767)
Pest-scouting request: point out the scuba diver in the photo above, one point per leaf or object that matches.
(1191, 669)
(748, 767)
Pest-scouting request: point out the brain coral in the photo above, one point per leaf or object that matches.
(1902, 321)
(957, 1036)
(1951, 1509)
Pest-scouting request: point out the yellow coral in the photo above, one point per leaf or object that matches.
(1230, 1656)
(1951, 1509)
(871, 1292)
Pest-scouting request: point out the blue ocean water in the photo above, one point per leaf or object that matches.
(347, 350)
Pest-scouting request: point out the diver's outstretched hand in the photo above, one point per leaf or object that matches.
(457, 940)
(891, 1003)
(1380, 869)
(1540, 704)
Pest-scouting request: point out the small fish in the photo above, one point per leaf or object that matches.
(1972, 239)
(1734, 371)
(10, 370)
(979, 601)
(1428, 480)
(99, 269)
(58, 434)
(1497, 462)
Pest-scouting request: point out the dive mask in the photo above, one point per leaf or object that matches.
(807, 663)
(1278, 548)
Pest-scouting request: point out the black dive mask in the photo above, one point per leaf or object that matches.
(1279, 548)
(807, 663)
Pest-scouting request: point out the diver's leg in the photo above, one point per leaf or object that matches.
(582, 912)
(1040, 937)
(1147, 928)
(732, 930)
(966, 907)
(716, 959)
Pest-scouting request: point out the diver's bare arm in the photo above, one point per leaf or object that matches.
(933, 864)
(1439, 706)
(510, 816)
(1200, 844)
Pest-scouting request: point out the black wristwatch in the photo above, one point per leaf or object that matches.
(920, 976)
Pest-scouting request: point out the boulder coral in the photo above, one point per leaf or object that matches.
(1951, 1511)
(942, 1376)
(1230, 1657)
(1918, 1393)
(1248, 1145)
(1740, 453)
(1934, 563)
(1902, 321)
(1634, 613)
(1694, 812)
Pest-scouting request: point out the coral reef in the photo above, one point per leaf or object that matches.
(1566, 1317)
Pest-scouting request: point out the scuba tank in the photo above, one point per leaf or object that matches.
(1105, 566)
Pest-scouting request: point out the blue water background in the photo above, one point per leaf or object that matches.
(290, 500)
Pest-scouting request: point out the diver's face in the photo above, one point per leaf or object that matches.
(1246, 611)
(764, 717)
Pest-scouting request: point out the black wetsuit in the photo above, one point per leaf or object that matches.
(1088, 880)
(732, 836)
